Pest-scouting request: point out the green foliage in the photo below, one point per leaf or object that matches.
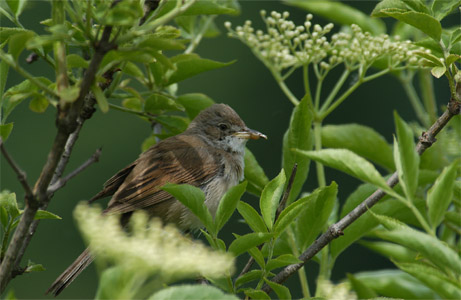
(190, 292)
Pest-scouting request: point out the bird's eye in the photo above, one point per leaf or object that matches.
(223, 126)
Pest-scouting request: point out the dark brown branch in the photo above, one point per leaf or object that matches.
(149, 6)
(426, 140)
(62, 181)
(280, 208)
(67, 124)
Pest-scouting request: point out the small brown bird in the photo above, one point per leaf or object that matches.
(208, 155)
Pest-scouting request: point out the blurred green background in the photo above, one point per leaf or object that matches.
(246, 86)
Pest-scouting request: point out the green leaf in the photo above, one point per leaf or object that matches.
(188, 291)
(395, 284)
(438, 72)
(32, 267)
(70, 93)
(7, 32)
(453, 218)
(417, 5)
(254, 174)
(248, 277)
(251, 216)
(5, 130)
(440, 194)
(270, 198)
(282, 291)
(362, 291)
(213, 7)
(298, 136)
(76, 61)
(44, 214)
(194, 199)
(125, 13)
(341, 13)
(189, 65)
(114, 282)
(133, 103)
(455, 36)
(258, 256)
(100, 98)
(428, 246)
(392, 251)
(441, 8)
(362, 140)
(194, 103)
(433, 278)
(39, 103)
(256, 294)
(175, 124)
(16, 6)
(228, 204)
(156, 103)
(4, 219)
(430, 57)
(245, 242)
(148, 142)
(405, 157)
(350, 163)
(155, 43)
(8, 202)
(282, 261)
(313, 219)
(18, 42)
(4, 67)
(424, 22)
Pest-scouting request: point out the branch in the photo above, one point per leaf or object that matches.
(21, 174)
(62, 181)
(279, 211)
(67, 123)
(425, 141)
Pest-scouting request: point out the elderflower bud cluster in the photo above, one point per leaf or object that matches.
(150, 247)
(285, 44)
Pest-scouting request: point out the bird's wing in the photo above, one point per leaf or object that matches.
(181, 159)
(112, 185)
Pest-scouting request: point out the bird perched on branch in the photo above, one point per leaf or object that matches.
(208, 155)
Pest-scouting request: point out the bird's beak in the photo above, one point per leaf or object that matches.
(248, 133)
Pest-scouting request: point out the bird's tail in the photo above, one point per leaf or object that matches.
(66, 278)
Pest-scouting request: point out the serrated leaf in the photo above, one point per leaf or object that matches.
(424, 22)
(362, 140)
(440, 194)
(228, 204)
(441, 8)
(256, 294)
(282, 261)
(44, 214)
(194, 199)
(5, 130)
(189, 65)
(391, 250)
(298, 136)
(282, 291)
(433, 278)
(258, 256)
(245, 242)
(350, 163)
(405, 157)
(248, 277)
(194, 103)
(7, 32)
(428, 246)
(251, 216)
(270, 198)
(313, 219)
(341, 13)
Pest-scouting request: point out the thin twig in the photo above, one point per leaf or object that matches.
(279, 210)
(22, 178)
(426, 140)
(62, 181)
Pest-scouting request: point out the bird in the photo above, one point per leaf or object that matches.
(209, 155)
